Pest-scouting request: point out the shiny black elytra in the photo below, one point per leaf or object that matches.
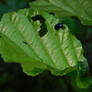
(58, 26)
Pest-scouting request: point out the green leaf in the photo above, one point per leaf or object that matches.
(80, 8)
(57, 50)
(11, 5)
(82, 80)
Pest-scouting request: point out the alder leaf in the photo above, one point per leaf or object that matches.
(30, 38)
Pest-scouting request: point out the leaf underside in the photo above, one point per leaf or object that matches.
(80, 8)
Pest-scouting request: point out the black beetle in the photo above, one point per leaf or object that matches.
(58, 26)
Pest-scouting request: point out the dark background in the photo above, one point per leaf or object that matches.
(13, 79)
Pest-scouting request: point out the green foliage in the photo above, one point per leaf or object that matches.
(80, 8)
(11, 5)
(57, 50)
(38, 47)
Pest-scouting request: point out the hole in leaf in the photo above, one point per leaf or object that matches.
(52, 13)
(1, 59)
(43, 30)
(25, 42)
